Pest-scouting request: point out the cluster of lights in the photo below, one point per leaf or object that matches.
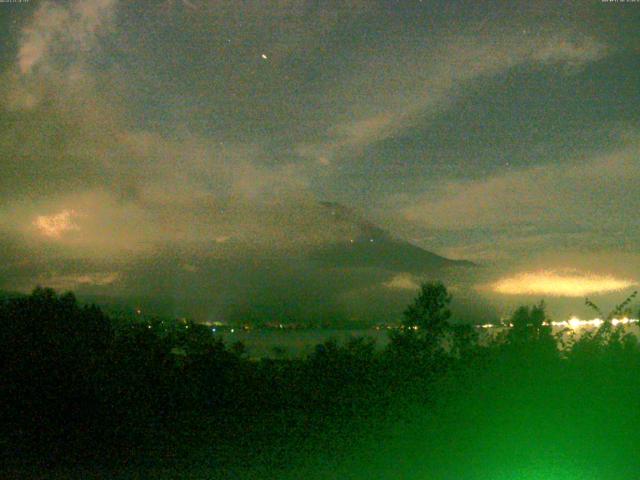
(573, 323)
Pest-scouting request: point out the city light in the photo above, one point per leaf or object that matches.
(573, 323)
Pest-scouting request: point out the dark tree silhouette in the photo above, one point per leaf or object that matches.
(79, 389)
(528, 324)
(419, 346)
(531, 335)
(52, 352)
(429, 311)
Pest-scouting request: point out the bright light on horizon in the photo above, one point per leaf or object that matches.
(574, 323)
(555, 284)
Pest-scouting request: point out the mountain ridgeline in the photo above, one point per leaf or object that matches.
(376, 248)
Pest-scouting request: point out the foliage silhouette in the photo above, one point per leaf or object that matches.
(426, 320)
(81, 388)
(621, 309)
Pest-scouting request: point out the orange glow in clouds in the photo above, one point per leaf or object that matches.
(559, 285)
(55, 225)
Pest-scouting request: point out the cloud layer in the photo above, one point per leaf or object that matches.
(558, 284)
(211, 131)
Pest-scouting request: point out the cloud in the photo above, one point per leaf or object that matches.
(582, 202)
(81, 280)
(168, 150)
(392, 97)
(572, 52)
(48, 21)
(128, 188)
(56, 225)
(558, 284)
(402, 281)
(58, 29)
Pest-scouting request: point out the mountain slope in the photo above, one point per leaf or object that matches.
(373, 247)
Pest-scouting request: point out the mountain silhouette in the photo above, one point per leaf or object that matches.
(374, 247)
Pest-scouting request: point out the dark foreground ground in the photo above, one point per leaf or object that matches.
(85, 398)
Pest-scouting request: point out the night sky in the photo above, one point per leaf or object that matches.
(181, 150)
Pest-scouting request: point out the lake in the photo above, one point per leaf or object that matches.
(295, 342)
(275, 342)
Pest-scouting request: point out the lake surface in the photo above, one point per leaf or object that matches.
(262, 343)
(295, 342)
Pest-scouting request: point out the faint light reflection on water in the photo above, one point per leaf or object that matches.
(295, 342)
